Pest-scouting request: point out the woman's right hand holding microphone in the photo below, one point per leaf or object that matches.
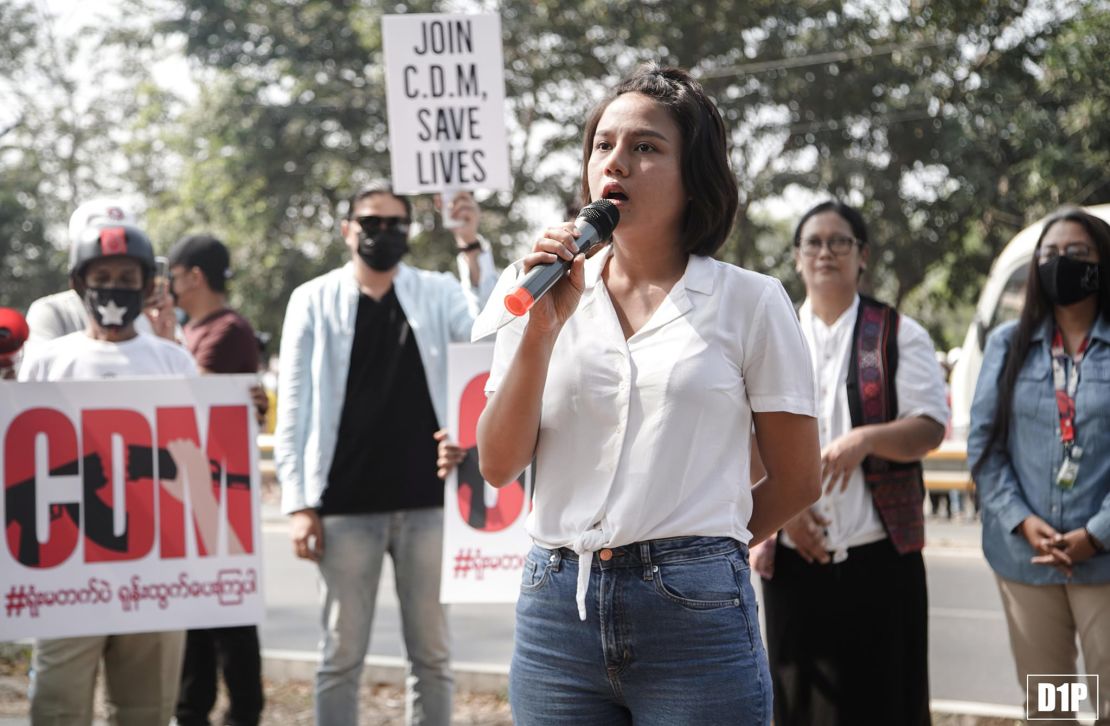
(550, 312)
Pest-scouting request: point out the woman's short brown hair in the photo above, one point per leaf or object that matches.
(706, 176)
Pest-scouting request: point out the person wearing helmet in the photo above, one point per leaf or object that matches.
(62, 313)
(111, 269)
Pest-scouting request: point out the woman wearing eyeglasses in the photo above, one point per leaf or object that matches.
(1040, 430)
(844, 585)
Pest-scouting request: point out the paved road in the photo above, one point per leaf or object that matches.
(969, 652)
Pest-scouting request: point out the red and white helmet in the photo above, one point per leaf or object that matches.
(100, 211)
(108, 240)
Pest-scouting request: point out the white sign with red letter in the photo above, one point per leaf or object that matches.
(484, 542)
(129, 506)
(445, 86)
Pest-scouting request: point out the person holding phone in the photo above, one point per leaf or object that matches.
(221, 341)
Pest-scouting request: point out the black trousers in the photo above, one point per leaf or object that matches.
(848, 643)
(237, 652)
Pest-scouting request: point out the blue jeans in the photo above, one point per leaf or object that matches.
(354, 546)
(671, 637)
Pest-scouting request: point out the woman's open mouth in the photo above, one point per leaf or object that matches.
(614, 193)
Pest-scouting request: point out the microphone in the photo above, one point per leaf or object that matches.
(596, 222)
(13, 334)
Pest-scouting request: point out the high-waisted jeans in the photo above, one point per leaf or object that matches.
(671, 636)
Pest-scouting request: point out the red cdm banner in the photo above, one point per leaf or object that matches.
(484, 540)
(128, 505)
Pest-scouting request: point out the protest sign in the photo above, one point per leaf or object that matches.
(484, 541)
(445, 85)
(129, 506)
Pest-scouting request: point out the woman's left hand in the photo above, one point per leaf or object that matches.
(1073, 548)
(841, 458)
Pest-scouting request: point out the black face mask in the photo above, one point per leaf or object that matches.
(384, 249)
(112, 308)
(1067, 281)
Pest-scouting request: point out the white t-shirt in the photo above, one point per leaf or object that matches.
(649, 438)
(853, 519)
(78, 357)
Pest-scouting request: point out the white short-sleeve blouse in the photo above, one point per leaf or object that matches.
(648, 437)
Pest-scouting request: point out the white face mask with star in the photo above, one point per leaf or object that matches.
(112, 308)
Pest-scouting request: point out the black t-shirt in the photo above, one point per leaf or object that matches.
(385, 454)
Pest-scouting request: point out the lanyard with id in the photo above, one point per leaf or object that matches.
(1066, 382)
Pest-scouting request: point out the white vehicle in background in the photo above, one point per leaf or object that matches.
(1000, 301)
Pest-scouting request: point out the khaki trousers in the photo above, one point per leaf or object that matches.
(1044, 621)
(142, 674)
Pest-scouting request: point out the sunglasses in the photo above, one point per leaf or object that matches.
(374, 223)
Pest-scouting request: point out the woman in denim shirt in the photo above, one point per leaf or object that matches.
(1040, 431)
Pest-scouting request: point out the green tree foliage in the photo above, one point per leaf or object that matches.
(28, 263)
(69, 102)
(952, 124)
(290, 118)
(1065, 142)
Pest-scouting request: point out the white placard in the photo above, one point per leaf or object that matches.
(484, 542)
(129, 506)
(445, 83)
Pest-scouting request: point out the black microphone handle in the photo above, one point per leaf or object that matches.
(542, 278)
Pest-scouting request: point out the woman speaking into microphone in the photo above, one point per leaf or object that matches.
(635, 384)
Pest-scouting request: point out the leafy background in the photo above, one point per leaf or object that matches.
(952, 124)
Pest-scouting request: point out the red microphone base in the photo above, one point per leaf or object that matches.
(519, 301)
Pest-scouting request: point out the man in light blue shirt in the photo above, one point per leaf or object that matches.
(362, 390)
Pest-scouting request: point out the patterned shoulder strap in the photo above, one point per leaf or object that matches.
(872, 395)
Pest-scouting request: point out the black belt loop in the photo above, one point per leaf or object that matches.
(645, 557)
